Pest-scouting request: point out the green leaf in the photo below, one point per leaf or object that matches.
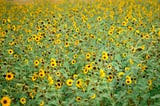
(156, 96)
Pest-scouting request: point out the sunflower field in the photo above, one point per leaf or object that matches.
(79, 53)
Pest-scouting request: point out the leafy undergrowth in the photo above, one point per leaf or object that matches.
(80, 53)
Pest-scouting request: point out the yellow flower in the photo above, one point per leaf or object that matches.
(109, 66)
(69, 82)
(41, 74)
(147, 56)
(130, 28)
(124, 23)
(147, 36)
(36, 62)
(53, 64)
(143, 47)
(73, 61)
(75, 76)
(131, 61)
(128, 77)
(51, 82)
(49, 77)
(76, 42)
(143, 68)
(15, 56)
(78, 99)
(23, 100)
(109, 78)
(104, 56)
(77, 29)
(10, 51)
(110, 32)
(150, 82)
(88, 26)
(52, 60)
(124, 55)
(58, 74)
(120, 74)
(88, 55)
(102, 73)
(75, 56)
(127, 68)
(34, 77)
(42, 103)
(139, 65)
(93, 96)
(66, 44)
(58, 85)
(129, 91)
(5, 101)
(9, 76)
(99, 18)
(137, 31)
(79, 83)
(112, 28)
(88, 67)
(85, 70)
(128, 81)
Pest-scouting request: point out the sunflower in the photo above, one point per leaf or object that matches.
(88, 55)
(10, 51)
(73, 61)
(109, 66)
(5, 101)
(149, 82)
(93, 96)
(9, 76)
(79, 83)
(127, 68)
(124, 23)
(51, 82)
(104, 56)
(102, 73)
(77, 29)
(75, 56)
(124, 55)
(66, 44)
(52, 60)
(34, 77)
(129, 91)
(128, 81)
(69, 82)
(41, 103)
(53, 64)
(85, 70)
(58, 85)
(99, 18)
(75, 76)
(78, 99)
(120, 74)
(36, 62)
(23, 100)
(41, 74)
(58, 74)
(109, 78)
(15, 56)
(110, 32)
(148, 56)
(88, 67)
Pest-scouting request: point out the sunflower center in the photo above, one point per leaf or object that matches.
(5, 101)
(9, 76)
